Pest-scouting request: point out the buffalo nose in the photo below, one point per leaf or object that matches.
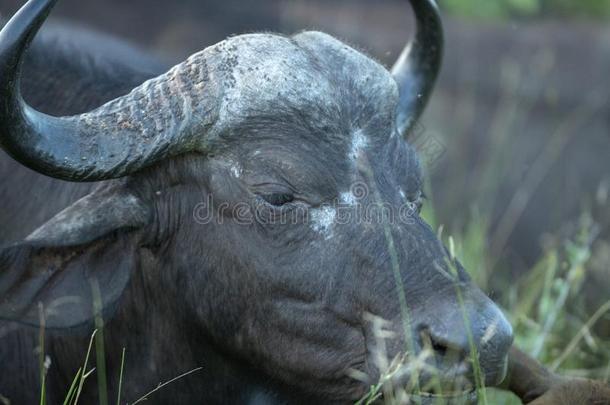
(494, 339)
(482, 329)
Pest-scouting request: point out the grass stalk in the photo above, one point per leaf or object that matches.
(581, 333)
(395, 264)
(84, 373)
(118, 399)
(100, 356)
(576, 267)
(479, 378)
(41, 360)
(72, 390)
(160, 386)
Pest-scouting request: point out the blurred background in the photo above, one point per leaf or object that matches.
(516, 138)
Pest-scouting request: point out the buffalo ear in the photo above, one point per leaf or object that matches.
(88, 248)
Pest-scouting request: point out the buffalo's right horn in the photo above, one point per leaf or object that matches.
(162, 117)
(416, 69)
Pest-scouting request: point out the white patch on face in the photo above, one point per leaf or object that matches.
(322, 220)
(348, 198)
(236, 170)
(490, 332)
(359, 142)
(402, 193)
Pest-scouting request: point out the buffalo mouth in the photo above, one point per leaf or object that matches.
(445, 388)
(421, 380)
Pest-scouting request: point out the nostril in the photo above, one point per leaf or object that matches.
(439, 345)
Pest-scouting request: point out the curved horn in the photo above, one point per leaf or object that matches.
(114, 140)
(418, 65)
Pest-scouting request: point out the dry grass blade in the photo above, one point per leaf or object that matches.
(41, 346)
(145, 396)
(84, 374)
(100, 357)
(118, 399)
(581, 333)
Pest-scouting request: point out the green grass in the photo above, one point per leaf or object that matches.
(502, 9)
(78, 383)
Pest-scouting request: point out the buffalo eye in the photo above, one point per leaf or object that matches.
(278, 199)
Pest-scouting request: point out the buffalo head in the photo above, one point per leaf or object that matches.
(264, 191)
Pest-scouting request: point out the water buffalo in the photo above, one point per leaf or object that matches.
(213, 217)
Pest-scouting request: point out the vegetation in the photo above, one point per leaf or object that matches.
(497, 9)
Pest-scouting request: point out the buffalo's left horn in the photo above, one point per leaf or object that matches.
(417, 67)
(114, 140)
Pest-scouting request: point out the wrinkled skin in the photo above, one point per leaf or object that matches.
(273, 313)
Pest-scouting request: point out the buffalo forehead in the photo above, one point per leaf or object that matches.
(349, 66)
(310, 72)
